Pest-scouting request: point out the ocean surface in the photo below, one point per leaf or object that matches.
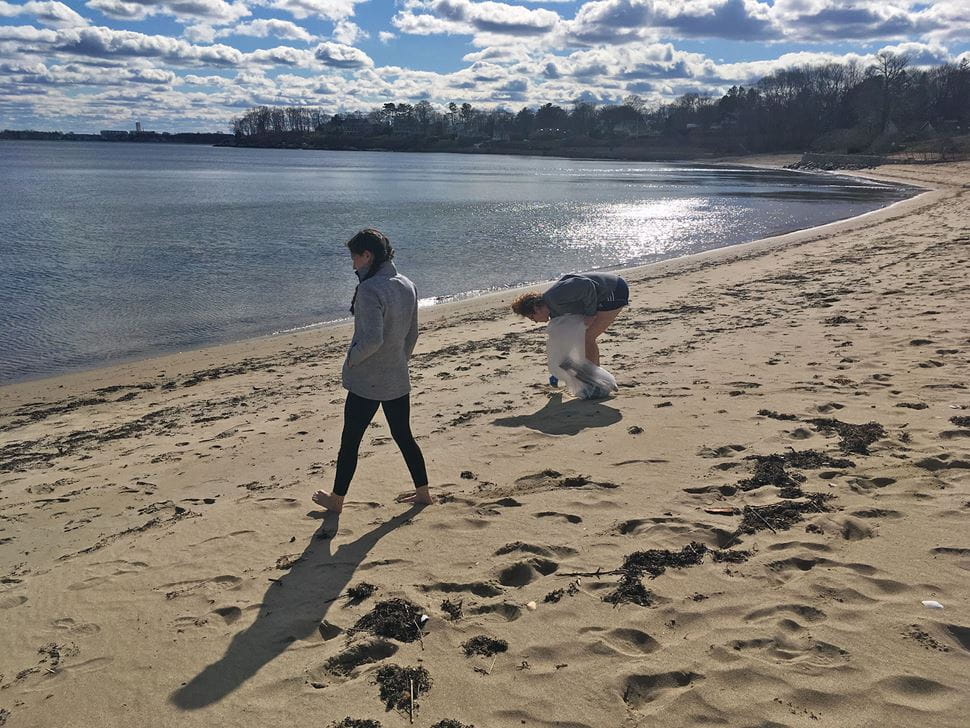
(111, 252)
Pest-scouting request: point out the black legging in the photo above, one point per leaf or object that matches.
(358, 413)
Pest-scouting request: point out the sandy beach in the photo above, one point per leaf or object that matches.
(745, 535)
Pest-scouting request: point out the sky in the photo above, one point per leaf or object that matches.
(193, 65)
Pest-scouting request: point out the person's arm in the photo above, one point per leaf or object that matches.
(572, 295)
(368, 326)
(412, 337)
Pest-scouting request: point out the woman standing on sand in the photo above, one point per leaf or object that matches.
(375, 372)
(596, 296)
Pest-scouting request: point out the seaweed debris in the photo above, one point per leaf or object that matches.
(396, 684)
(729, 556)
(349, 722)
(770, 470)
(776, 415)
(656, 561)
(813, 460)
(452, 609)
(556, 594)
(484, 646)
(449, 723)
(359, 592)
(630, 589)
(855, 438)
(394, 618)
(780, 516)
(960, 421)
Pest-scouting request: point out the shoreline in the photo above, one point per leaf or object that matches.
(765, 524)
(767, 162)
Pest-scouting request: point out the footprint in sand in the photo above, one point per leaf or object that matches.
(342, 665)
(69, 625)
(640, 690)
(568, 517)
(9, 602)
(220, 583)
(228, 614)
(507, 611)
(792, 648)
(798, 563)
(478, 588)
(918, 693)
(802, 611)
(546, 551)
(525, 572)
(623, 641)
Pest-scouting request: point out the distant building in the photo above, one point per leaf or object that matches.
(138, 127)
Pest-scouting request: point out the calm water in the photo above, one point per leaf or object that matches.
(115, 251)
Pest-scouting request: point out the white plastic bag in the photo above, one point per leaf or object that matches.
(566, 348)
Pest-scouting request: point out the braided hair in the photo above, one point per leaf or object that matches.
(379, 246)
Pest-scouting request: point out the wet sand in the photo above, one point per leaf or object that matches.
(742, 536)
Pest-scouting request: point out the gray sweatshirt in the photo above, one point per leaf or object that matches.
(575, 293)
(385, 332)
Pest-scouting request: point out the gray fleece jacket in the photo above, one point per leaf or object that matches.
(385, 332)
(580, 294)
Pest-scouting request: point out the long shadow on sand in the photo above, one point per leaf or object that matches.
(292, 609)
(569, 418)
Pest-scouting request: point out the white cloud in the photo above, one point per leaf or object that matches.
(264, 28)
(212, 12)
(338, 55)
(201, 33)
(52, 14)
(98, 42)
(348, 33)
(386, 36)
(283, 56)
(327, 9)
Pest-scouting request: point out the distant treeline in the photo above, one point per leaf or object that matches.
(120, 136)
(841, 108)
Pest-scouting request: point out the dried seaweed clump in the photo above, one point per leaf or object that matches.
(357, 723)
(556, 594)
(729, 556)
(394, 618)
(769, 470)
(484, 646)
(776, 415)
(449, 723)
(813, 460)
(656, 561)
(630, 590)
(452, 609)
(396, 684)
(855, 438)
(780, 516)
(359, 592)
(960, 421)
(653, 562)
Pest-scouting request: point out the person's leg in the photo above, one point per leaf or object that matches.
(398, 414)
(600, 323)
(358, 413)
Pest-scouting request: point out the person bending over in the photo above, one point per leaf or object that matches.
(598, 297)
(375, 372)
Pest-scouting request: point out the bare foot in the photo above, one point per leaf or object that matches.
(333, 503)
(419, 496)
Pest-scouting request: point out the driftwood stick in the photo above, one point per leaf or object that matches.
(411, 704)
(420, 633)
(598, 572)
(755, 511)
